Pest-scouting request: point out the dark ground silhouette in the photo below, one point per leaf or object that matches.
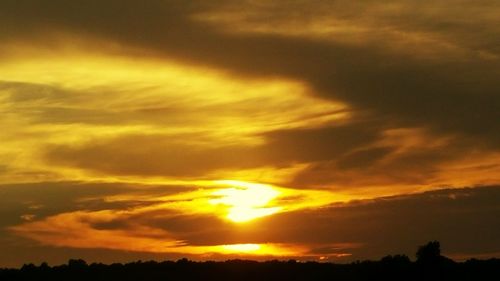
(430, 265)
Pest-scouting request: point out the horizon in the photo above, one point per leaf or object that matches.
(328, 131)
(423, 257)
(430, 265)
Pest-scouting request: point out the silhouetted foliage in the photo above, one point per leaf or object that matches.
(429, 252)
(430, 265)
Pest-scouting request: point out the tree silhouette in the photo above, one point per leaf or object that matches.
(430, 265)
(429, 252)
(77, 264)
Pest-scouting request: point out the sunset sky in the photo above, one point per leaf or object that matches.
(306, 129)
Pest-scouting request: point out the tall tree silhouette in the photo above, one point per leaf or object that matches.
(430, 252)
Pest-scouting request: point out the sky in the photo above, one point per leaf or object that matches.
(309, 130)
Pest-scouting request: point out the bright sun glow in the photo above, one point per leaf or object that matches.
(242, 247)
(246, 201)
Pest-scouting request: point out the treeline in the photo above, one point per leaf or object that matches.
(430, 265)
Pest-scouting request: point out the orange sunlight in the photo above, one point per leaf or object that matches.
(246, 201)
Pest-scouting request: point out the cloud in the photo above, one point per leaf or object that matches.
(171, 156)
(49, 198)
(380, 79)
(152, 218)
(157, 155)
(396, 224)
(364, 229)
(317, 144)
(450, 96)
(345, 157)
(363, 158)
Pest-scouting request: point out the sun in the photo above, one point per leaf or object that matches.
(246, 201)
(244, 248)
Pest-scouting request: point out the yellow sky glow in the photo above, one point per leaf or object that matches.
(247, 201)
(213, 108)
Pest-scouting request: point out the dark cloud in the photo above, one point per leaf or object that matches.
(45, 199)
(363, 158)
(156, 155)
(397, 224)
(346, 156)
(456, 97)
(198, 230)
(311, 145)
(50, 198)
(171, 156)
(381, 166)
